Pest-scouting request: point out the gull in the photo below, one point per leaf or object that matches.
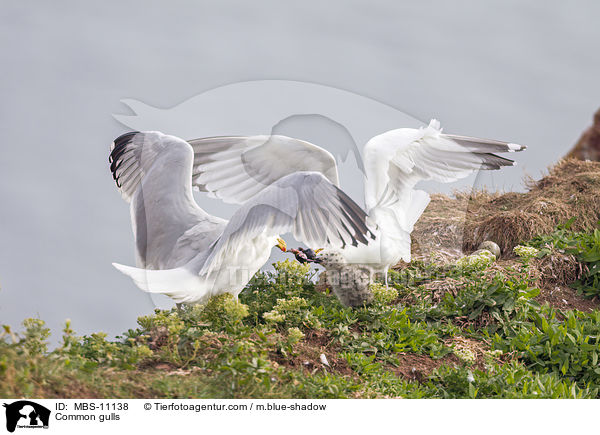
(351, 283)
(189, 255)
(236, 168)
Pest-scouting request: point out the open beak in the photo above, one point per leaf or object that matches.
(281, 245)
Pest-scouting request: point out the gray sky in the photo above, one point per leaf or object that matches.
(522, 71)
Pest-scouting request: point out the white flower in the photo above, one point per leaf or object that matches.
(525, 252)
(295, 335)
(274, 316)
(465, 354)
(480, 260)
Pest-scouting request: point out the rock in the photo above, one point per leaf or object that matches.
(488, 245)
(588, 145)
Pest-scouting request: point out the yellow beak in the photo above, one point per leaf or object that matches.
(281, 245)
(318, 250)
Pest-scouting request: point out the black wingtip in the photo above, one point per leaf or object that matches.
(125, 138)
(119, 148)
(356, 217)
(120, 144)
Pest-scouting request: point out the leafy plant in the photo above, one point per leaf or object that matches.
(438, 331)
(584, 246)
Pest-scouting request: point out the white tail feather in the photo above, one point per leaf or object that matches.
(180, 284)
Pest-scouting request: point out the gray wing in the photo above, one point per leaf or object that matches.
(479, 145)
(236, 168)
(398, 159)
(306, 204)
(197, 239)
(153, 172)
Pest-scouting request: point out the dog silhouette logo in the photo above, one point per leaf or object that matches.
(26, 414)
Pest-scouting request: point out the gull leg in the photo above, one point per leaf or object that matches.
(386, 279)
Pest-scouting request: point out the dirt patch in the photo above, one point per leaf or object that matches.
(415, 367)
(307, 355)
(566, 298)
(451, 226)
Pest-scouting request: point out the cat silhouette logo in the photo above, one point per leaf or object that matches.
(26, 414)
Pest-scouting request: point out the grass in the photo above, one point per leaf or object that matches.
(468, 329)
(570, 189)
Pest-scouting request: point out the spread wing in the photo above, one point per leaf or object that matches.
(153, 172)
(303, 203)
(396, 160)
(236, 168)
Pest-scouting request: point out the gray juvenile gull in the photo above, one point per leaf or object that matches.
(351, 283)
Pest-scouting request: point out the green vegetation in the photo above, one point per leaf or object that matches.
(584, 246)
(473, 329)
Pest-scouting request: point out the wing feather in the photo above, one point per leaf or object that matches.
(153, 172)
(304, 203)
(398, 159)
(257, 161)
